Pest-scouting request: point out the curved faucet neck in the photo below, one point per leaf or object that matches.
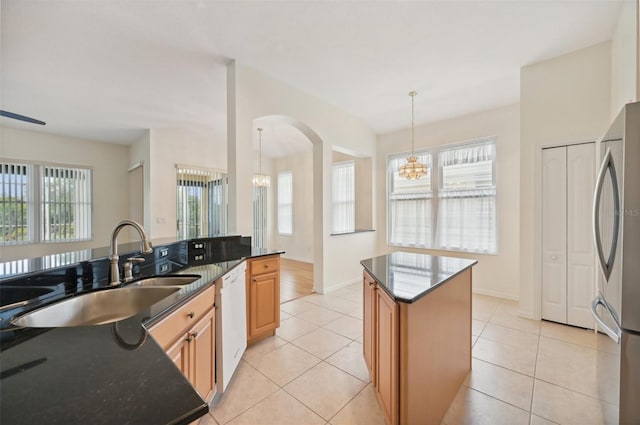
(145, 247)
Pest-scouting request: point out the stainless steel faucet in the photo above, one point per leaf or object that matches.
(145, 247)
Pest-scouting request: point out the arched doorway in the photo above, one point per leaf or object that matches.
(292, 158)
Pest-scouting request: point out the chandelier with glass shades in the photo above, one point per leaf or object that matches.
(413, 169)
(260, 180)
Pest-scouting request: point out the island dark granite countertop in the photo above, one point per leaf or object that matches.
(82, 374)
(408, 276)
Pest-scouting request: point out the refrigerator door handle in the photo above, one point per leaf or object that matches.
(607, 165)
(616, 334)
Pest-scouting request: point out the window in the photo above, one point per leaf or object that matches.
(343, 191)
(45, 203)
(16, 208)
(201, 202)
(260, 216)
(453, 209)
(285, 203)
(467, 199)
(410, 205)
(65, 202)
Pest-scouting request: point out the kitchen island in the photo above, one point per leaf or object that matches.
(417, 333)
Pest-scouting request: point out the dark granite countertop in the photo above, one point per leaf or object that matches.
(408, 276)
(84, 375)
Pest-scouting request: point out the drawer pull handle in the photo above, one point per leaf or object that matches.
(266, 266)
(189, 338)
(191, 314)
(371, 283)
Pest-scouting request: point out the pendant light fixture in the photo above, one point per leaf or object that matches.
(261, 180)
(413, 169)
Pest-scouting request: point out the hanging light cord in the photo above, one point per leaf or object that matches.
(413, 95)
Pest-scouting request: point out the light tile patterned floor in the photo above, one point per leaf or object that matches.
(312, 372)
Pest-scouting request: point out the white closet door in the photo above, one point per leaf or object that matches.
(554, 234)
(580, 249)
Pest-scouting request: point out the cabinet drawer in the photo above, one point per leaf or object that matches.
(265, 265)
(172, 326)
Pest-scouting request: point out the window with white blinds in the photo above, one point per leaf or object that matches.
(451, 209)
(285, 203)
(201, 202)
(16, 207)
(343, 194)
(260, 216)
(45, 203)
(65, 204)
(467, 198)
(410, 204)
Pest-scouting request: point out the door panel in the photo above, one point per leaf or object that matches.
(580, 249)
(369, 323)
(265, 297)
(554, 231)
(202, 355)
(387, 345)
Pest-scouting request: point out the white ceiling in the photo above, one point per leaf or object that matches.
(108, 69)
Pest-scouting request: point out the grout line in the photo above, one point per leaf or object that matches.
(591, 396)
(495, 398)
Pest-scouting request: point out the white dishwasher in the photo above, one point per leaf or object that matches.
(231, 324)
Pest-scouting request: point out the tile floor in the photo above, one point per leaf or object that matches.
(312, 372)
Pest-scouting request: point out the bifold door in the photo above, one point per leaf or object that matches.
(568, 179)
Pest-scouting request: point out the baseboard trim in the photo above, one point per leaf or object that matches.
(337, 286)
(495, 294)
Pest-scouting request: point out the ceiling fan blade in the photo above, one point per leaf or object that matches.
(21, 117)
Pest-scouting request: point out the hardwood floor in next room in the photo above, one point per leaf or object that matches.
(296, 279)
(312, 372)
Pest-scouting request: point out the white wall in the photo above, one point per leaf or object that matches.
(494, 274)
(624, 57)
(109, 162)
(298, 245)
(252, 95)
(140, 152)
(562, 100)
(169, 147)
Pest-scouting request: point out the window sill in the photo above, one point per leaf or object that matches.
(355, 231)
(444, 249)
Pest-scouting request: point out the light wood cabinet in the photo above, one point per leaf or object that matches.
(370, 321)
(386, 353)
(263, 297)
(188, 337)
(418, 353)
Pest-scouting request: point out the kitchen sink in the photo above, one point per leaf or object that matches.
(167, 280)
(96, 308)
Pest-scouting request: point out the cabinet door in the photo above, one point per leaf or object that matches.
(265, 303)
(202, 355)
(179, 354)
(369, 324)
(387, 348)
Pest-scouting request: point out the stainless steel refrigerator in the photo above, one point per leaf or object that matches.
(616, 308)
